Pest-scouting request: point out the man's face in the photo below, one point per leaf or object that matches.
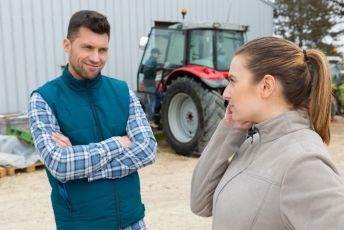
(87, 54)
(155, 55)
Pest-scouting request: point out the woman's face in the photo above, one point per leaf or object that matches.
(242, 94)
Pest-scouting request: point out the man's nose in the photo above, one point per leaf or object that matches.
(94, 57)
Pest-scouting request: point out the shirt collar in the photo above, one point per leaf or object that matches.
(80, 85)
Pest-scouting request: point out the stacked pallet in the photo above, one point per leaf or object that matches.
(16, 124)
(2, 172)
(11, 170)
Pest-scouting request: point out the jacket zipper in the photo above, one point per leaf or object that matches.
(102, 138)
(94, 112)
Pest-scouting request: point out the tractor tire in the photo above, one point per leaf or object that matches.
(190, 115)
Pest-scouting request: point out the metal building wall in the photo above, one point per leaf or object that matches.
(32, 31)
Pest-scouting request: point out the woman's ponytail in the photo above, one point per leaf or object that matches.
(320, 114)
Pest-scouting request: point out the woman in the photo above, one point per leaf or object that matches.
(282, 177)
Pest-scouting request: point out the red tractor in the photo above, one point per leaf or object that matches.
(196, 57)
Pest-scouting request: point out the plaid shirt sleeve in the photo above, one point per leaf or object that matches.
(92, 161)
(140, 153)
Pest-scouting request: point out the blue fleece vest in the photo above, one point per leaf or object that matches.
(89, 112)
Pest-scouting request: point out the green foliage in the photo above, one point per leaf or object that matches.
(307, 23)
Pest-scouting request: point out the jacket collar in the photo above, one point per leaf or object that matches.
(283, 124)
(80, 85)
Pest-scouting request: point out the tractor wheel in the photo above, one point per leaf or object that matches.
(190, 115)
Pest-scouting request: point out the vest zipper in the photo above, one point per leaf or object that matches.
(94, 112)
(117, 209)
(102, 138)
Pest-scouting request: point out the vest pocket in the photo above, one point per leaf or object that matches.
(64, 194)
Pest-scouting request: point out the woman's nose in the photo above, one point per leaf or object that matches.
(226, 93)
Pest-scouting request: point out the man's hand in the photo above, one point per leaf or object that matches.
(236, 124)
(64, 142)
(166, 65)
(125, 141)
(61, 140)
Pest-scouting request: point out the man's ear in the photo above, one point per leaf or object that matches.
(268, 86)
(66, 45)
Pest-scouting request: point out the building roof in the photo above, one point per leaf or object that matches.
(209, 25)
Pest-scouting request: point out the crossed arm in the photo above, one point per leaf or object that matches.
(112, 158)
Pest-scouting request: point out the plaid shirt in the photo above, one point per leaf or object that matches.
(106, 159)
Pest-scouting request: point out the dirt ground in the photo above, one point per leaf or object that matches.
(165, 185)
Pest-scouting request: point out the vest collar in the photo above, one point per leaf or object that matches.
(80, 85)
(283, 124)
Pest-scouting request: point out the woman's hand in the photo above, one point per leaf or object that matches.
(241, 125)
(61, 140)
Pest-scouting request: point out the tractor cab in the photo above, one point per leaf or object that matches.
(203, 49)
(334, 62)
(337, 94)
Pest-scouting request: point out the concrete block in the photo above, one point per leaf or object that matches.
(19, 123)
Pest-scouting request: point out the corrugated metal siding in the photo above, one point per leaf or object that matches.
(32, 31)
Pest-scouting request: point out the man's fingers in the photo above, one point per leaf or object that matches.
(61, 140)
(124, 140)
(61, 137)
(60, 146)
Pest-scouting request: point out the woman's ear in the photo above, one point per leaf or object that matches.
(268, 86)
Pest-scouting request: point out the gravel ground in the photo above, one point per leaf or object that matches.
(165, 187)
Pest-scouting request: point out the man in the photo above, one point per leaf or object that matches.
(149, 71)
(92, 135)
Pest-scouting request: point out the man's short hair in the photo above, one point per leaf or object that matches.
(89, 19)
(155, 50)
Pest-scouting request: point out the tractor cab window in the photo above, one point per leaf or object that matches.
(335, 72)
(201, 48)
(227, 42)
(214, 48)
(164, 52)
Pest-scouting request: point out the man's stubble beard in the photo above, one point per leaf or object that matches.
(83, 73)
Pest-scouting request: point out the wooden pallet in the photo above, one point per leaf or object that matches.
(2, 172)
(11, 170)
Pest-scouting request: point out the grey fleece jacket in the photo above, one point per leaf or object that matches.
(284, 179)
